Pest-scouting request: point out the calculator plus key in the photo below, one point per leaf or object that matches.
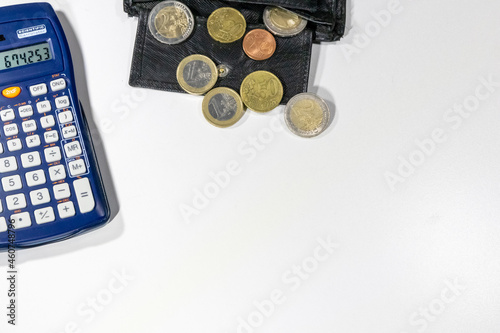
(66, 209)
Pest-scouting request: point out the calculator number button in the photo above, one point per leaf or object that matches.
(10, 130)
(77, 167)
(14, 144)
(45, 215)
(62, 102)
(12, 183)
(52, 136)
(39, 197)
(15, 202)
(69, 132)
(66, 209)
(43, 106)
(47, 121)
(84, 195)
(65, 117)
(25, 111)
(29, 126)
(8, 164)
(29, 160)
(61, 191)
(57, 85)
(21, 220)
(73, 149)
(52, 154)
(35, 178)
(57, 173)
(33, 141)
(38, 89)
(1, 148)
(7, 115)
(11, 92)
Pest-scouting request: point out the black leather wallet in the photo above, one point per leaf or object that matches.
(154, 64)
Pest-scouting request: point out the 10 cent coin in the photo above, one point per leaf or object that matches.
(226, 25)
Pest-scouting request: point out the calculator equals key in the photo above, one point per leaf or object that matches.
(50, 183)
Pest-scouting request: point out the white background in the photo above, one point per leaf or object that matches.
(399, 247)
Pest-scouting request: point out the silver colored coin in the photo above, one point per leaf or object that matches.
(223, 107)
(171, 22)
(282, 22)
(307, 115)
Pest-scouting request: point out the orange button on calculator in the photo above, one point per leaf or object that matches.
(11, 92)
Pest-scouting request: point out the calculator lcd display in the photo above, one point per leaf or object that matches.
(25, 56)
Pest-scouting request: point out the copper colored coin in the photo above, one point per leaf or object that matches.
(259, 44)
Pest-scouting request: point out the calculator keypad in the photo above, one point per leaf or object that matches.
(51, 170)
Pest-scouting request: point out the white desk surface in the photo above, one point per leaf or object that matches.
(420, 256)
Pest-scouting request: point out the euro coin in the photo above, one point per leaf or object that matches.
(259, 44)
(262, 91)
(282, 22)
(226, 25)
(223, 107)
(171, 22)
(197, 74)
(307, 115)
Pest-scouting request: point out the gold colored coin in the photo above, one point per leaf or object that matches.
(262, 91)
(171, 22)
(223, 107)
(226, 25)
(282, 22)
(197, 74)
(307, 115)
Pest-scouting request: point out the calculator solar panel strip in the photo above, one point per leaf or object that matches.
(50, 184)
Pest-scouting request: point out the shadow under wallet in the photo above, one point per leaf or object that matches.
(154, 64)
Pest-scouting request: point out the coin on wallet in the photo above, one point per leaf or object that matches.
(197, 74)
(307, 115)
(282, 22)
(259, 44)
(226, 25)
(171, 22)
(223, 107)
(261, 91)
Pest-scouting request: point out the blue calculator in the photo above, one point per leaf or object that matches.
(50, 184)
